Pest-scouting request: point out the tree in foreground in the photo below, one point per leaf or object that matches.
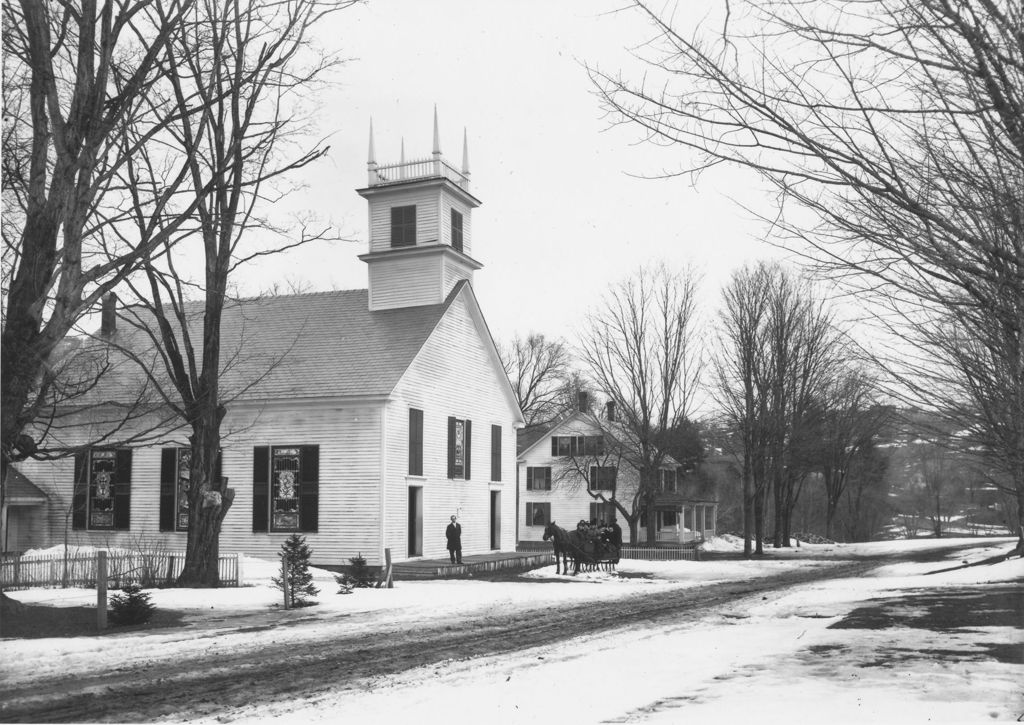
(248, 67)
(75, 76)
(893, 134)
(296, 580)
(641, 349)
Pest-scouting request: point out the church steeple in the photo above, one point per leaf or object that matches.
(420, 231)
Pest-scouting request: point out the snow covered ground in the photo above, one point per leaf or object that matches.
(773, 659)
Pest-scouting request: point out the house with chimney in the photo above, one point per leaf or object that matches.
(575, 468)
(362, 419)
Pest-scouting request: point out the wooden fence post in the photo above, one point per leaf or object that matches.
(101, 590)
(387, 570)
(238, 570)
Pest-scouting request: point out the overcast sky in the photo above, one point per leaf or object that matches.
(563, 213)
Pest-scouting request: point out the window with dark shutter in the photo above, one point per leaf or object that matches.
(456, 230)
(495, 452)
(415, 442)
(459, 447)
(538, 478)
(538, 514)
(403, 226)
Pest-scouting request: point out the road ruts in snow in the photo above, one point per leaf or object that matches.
(216, 683)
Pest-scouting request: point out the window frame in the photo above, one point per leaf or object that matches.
(457, 230)
(403, 230)
(577, 445)
(460, 470)
(531, 478)
(598, 476)
(117, 487)
(532, 507)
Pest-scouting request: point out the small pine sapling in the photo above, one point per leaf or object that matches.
(295, 556)
(132, 607)
(358, 576)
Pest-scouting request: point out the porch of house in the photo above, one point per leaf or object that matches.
(471, 564)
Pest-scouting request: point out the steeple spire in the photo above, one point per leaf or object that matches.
(437, 135)
(465, 153)
(371, 160)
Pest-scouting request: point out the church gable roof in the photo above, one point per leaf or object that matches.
(323, 344)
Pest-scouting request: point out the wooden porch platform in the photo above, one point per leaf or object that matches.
(477, 563)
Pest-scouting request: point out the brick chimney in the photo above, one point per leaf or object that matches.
(581, 402)
(108, 315)
(610, 411)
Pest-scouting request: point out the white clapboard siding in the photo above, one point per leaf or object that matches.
(406, 282)
(568, 496)
(428, 203)
(349, 491)
(453, 375)
(449, 202)
(455, 270)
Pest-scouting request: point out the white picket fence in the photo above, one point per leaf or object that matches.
(659, 553)
(146, 568)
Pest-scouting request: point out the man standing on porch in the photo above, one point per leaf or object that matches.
(454, 535)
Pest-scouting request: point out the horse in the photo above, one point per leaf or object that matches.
(558, 537)
(569, 544)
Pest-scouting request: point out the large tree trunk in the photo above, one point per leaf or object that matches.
(209, 500)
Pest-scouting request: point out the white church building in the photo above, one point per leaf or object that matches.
(389, 410)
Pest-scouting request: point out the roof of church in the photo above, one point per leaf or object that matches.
(323, 344)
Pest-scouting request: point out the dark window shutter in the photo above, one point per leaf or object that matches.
(79, 498)
(123, 490)
(309, 489)
(495, 452)
(415, 442)
(546, 508)
(168, 482)
(554, 445)
(260, 488)
(451, 447)
(468, 448)
(547, 478)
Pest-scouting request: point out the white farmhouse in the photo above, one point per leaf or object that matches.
(569, 471)
(363, 419)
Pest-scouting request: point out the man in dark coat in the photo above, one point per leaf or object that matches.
(616, 534)
(454, 535)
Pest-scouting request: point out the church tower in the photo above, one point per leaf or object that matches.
(421, 235)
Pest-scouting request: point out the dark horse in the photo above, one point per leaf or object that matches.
(568, 545)
(559, 540)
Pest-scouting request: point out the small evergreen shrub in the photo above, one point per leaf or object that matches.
(359, 576)
(295, 554)
(132, 607)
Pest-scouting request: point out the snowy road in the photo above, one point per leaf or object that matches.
(840, 634)
(215, 681)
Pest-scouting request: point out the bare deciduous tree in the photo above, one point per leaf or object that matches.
(538, 368)
(75, 74)
(642, 351)
(245, 66)
(893, 133)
